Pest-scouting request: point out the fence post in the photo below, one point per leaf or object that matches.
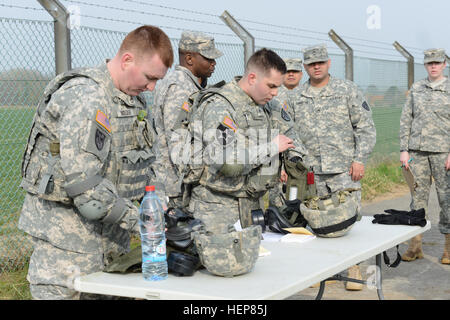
(244, 35)
(410, 59)
(348, 53)
(63, 60)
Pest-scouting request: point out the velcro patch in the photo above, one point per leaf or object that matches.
(366, 106)
(285, 115)
(285, 106)
(224, 135)
(185, 107)
(103, 120)
(229, 123)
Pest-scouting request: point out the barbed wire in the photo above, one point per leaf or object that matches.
(20, 7)
(158, 25)
(414, 50)
(143, 12)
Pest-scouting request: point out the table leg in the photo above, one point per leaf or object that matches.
(379, 278)
(342, 278)
(321, 290)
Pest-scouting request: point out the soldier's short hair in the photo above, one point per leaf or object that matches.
(149, 39)
(264, 60)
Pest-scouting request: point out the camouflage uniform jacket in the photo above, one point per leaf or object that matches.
(286, 98)
(335, 125)
(239, 131)
(425, 120)
(103, 152)
(171, 99)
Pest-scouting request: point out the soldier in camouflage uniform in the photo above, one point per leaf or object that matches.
(87, 159)
(240, 145)
(424, 138)
(335, 122)
(291, 85)
(197, 55)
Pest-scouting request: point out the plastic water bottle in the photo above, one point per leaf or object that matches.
(153, 237)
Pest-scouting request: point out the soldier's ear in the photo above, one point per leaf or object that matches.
(189, 58)
(126, 60)
(251, 78)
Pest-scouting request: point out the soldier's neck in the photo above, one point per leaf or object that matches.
(319, 83)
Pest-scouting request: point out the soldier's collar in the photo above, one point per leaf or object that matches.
(437, 85)
(326, 90)
(241, 95)
(190, 75)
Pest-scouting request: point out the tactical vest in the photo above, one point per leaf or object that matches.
(126, 161)
(256, 182)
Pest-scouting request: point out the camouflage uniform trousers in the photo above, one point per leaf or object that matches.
(275, 199)
(52, 270)
(330, 183)
(424, 166)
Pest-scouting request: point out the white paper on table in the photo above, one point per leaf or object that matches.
(298, 238)
(272, 236)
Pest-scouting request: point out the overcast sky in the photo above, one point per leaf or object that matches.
(416, 24)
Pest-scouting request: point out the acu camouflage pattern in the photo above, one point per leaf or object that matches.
(194, 41)
(330, 211)
(240, 192)
(293, 64)
(424, 132)
(171, 111)
(336, 126)
(424, 166)
(425, 119)
(229, 254)
(434, 55)
(118, 158)
(317, 53)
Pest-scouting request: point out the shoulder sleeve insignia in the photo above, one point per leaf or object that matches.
(103, 120)
(366, 106)
(285, 106)
(185, 106)
(285, 115)
(229, 123)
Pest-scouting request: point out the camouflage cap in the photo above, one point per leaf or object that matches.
(293, 64)
(316, 53)
(199, 42)
(434, 55)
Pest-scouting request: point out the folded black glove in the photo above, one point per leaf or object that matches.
(410, 218)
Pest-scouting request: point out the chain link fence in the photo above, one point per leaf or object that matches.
(27, 64)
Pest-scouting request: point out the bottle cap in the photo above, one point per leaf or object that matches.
(149, 188)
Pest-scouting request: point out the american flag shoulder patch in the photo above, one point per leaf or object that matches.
(229, 123)
(185, 107)
(103, 120)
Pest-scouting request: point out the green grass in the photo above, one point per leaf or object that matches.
(14, 285)
(381, 178)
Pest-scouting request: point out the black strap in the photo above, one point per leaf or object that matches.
(336, 227)
(388, 262)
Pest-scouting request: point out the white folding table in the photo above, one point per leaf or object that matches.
(290, 268)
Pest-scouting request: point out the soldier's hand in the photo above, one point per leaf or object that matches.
(356, 171)
(283, 176)
(283, 143)
(447, 163)
(404, 158)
